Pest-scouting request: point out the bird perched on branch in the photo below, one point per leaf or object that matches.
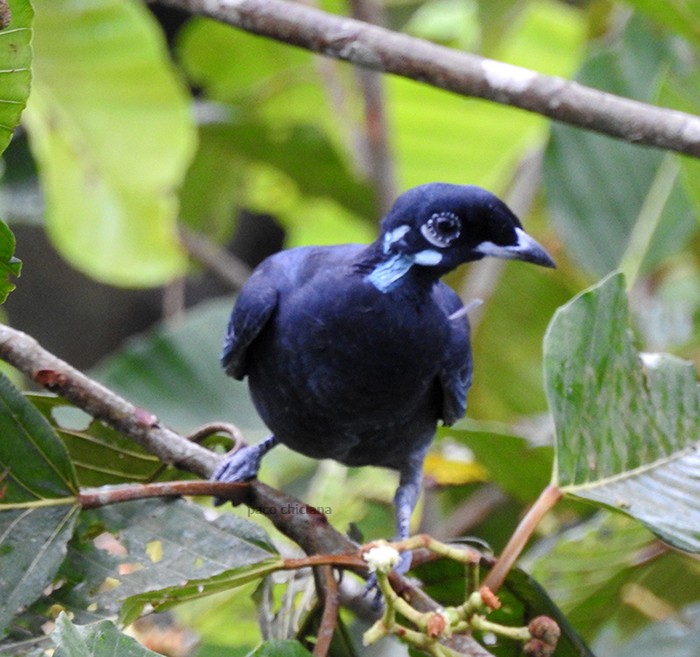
(355, 352)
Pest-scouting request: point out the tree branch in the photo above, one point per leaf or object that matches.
(54, 374)
(383, 50)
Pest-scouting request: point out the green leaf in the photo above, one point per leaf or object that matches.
(680, 16)
(100, 455)
(613, 202)
(627, 426)
(110, 127)
(304, 153)
(102, 639)
(37, 505)
(587, 566)
(15, 65)
(32, 547)
(159, 553)
(34, 463)
(518, 467)
(280, 648)
(174, 372)
(9, 265)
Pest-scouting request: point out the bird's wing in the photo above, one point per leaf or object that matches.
(255, 305)
(456, 372)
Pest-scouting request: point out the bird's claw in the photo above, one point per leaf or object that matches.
(242, 465)
(239, 466)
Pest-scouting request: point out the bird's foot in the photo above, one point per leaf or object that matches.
(241, 465)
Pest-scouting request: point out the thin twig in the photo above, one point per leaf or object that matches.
(226, 267)
(211, 428)
(379, 163)
(92, 498)
(497, 575)
(383, 50)
(329, 619)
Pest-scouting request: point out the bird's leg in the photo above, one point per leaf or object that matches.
(244, 463)
(405, 501)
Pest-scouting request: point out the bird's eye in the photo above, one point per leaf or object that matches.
(441, 229)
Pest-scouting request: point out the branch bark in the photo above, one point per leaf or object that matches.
(387, 51)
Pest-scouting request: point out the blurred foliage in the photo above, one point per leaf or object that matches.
(134, 135)
(111, 130)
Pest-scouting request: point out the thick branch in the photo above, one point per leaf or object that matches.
(383, 50)
(28, 356)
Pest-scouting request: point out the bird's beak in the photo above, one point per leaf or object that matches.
(526, 248)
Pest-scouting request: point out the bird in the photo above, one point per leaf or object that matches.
(356, 352)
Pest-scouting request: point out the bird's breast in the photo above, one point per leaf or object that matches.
(348, 362)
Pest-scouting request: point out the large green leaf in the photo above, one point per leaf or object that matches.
(38, 507)
(32, 546)
(111, 129)
(102, 639)
(34, 464)
(9, 265)
(627, 426)
(158, 553)
(614, 203)
(15, 67)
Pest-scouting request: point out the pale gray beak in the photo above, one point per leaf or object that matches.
(527, 249)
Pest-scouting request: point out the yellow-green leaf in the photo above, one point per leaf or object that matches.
(111, 130)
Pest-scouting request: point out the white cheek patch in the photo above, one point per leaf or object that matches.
(394, 236)
(429, 257)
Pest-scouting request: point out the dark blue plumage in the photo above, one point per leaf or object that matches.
(355, 352)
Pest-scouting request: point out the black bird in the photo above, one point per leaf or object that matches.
(355, 352)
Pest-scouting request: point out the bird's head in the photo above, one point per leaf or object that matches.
(442, 226)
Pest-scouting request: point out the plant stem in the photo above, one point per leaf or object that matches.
(547, 499)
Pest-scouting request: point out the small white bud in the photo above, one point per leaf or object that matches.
(381, 558)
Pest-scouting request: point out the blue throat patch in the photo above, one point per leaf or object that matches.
(386, 275)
